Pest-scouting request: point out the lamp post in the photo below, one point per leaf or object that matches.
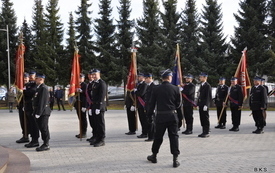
(8, 52)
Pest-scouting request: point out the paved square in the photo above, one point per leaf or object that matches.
(222, 152)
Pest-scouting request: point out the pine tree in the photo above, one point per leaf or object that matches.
(252, 33)
(84, 36)
(149, 55)
(271, 37)
(124, 35)
(213, 44)
(54, 35)
(170, 30)
(190, 54)
(105, 30)
(9, 18)
(42, 61)
(26, 30)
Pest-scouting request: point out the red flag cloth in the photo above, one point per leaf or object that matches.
(75, 75)
(131, 81)
(177, 74)
(19, 71)
(242, 74)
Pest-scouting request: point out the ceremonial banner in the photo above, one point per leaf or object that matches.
(177, 74)
(132, 75)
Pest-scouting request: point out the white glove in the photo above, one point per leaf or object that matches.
(205, 108)
(79, 90)
(37, 116)
(135, 90)
(132, 108)
(23, 109)
(181, 89)
(124, 107)
(83, 109)
(90, 112)
(97, 111)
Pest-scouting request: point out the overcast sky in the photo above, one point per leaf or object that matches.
(23, 9)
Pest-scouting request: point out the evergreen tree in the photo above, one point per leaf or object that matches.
(252, 33)
(83, 37)
(41, 51)
(170, 30)
(213, 44)
(26, 30)
(124, 35)
(190, 54)
(149, 55)
(271, 37)
(54, 35)
(9, 18)
(105, 30)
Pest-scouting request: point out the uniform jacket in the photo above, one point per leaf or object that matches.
(166, 98)
(148, 95)
(41, 100)
(189, 91)
(258, 98)
(98, 94)
(129, 99)
(82, 95)
(236, 94)
(88, 93)
(221, 93)
(205, 95)
(141, 91)
(29, 93)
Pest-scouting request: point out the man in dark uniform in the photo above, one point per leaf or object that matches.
(32, 125)
(140, 94)
(266, 87)
(236, 103)
(80, 106)
(167, 100)
(148, 94)
(204, 100)
(98, 108)
(221, 94)
(188, 93)
(22, 117)
(257, 103)
(42, 111)
(89, 105)
(131, 114)
(59, 98)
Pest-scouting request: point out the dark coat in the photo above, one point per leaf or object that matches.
(166, 98)
(29, 93)
(141, 91)
(148, 95)
(41, 101)
(82, 95)
(258, 98)
(129, 99)
(221, 93)
(99, 91)
(236, 94)
(189, 91)
(205, 95)
(88, 93)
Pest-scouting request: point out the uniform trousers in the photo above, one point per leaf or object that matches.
(223, 116)
(83, 122)
(236, 116)
(258, 118)
(42, 123)
(188, 115)
(143, 120)
(131, 117)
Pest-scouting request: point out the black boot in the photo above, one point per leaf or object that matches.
(255, 131)
(188, 130)
(33, 143)
(218, 126)
(205, 132)
(152, 158)
(175, 161)
(259, 130)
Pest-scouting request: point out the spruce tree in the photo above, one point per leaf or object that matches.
(83, 37)
(41, 51)
(149, 56)
(8, 17)
(251, 32)
(191, 58)
(271, 37)
(213, 44)
(124, 35)
(170, 30)
(26, 30)
(105, 30)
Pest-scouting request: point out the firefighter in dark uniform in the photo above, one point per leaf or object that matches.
(257, 103)
(98, 108)
(42, 111)
(80, 106)
(236, 103)
(22, 117)
(266, 87)
(89, 104)
(32, 125)
(140, 94)
(131, 115)
(167, 100)
(148, 94)
(188, 92)
(221, 94)
(204, 100)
